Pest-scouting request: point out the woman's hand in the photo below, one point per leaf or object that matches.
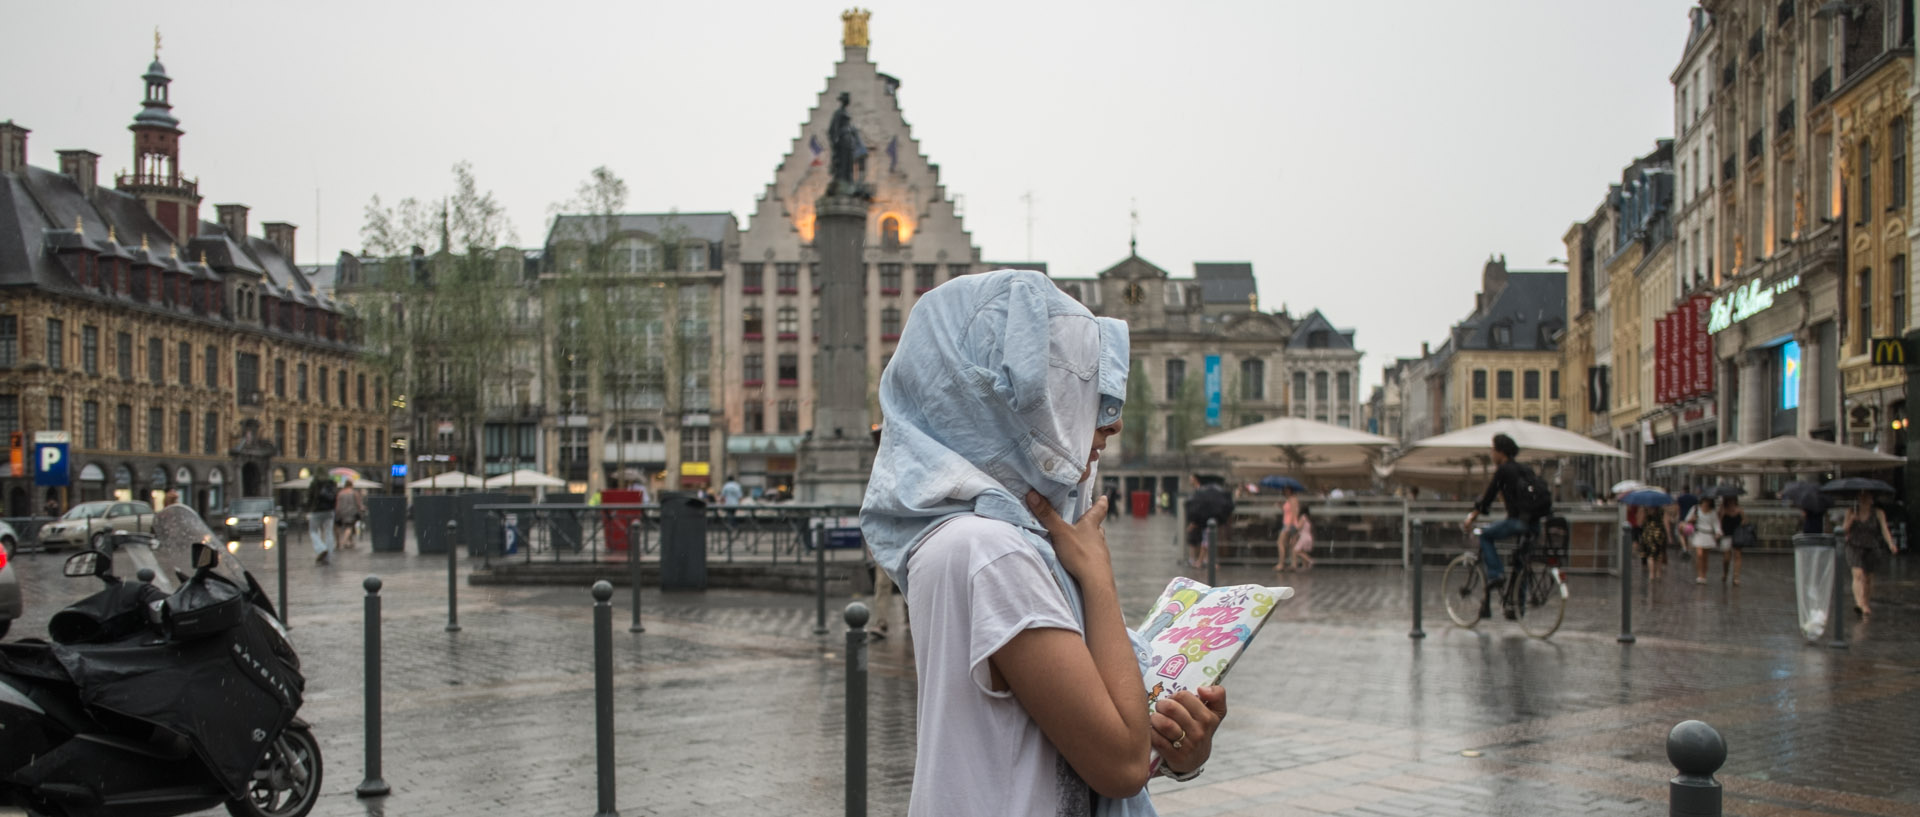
(1183, 727)
(1081, 546)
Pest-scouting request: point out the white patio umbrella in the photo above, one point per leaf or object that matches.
(524, 478)
(300, 484)
(1296, 445)
(449, 480)
(1695, 456)
(1470, 447)
(1788, 454)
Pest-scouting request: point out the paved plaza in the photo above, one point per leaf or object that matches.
(728, 704)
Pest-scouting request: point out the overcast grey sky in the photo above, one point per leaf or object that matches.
(1366, 157)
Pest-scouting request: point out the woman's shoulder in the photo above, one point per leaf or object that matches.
(972, 541)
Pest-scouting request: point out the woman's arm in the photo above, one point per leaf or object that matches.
(1086, 695)
(1884, 532)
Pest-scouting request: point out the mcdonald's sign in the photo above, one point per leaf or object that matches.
(1889, 351)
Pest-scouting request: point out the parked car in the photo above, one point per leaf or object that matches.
(10, 603)
(246, 518)
(87, 524)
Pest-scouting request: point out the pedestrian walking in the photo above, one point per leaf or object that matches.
(349, 507)
(1702, 529)
(320, 497)
(1289, 528)
(1869, 543)
(1207, 502)
(1651, 544)
(1739, 534)
(1301, 555)
(731, 492)
(981, 505)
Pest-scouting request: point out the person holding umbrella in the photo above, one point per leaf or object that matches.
(1651, 540)
(1733, 525)
(1865, 529)
(1705, 536)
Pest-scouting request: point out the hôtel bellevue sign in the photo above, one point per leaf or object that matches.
(1746, 301)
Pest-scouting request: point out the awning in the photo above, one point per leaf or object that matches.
(779, 444)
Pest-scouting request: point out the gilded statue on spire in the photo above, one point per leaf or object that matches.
(156, 42)
(855, 20)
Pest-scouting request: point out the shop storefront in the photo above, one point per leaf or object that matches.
(1776, 347)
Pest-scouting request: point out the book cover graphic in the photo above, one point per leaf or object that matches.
(1194, 632)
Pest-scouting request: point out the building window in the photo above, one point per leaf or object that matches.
(1251, 419)
(787, 322)
(90, 424)
(9, 412)
(924, 276)
(957, 270)
(123, 427)
(1897, 164)
(890, 279)
(1176, 377)
(1479, 419)
(9, 341)
(156, 430)
(213, 367)
(695, 444)
(300, 382)
(787, 277)
(1300, 387)
(1553, 384)
(340, 387)
(752, 322)
(123, 354)
(1502, 336)
(789, 371)
(300, 440)
(753, 276)
(890, 232)
(320, 386)
(56, 339)
(789, 417)
(1530, 385)
(890, 323)
(210, 434)
(1503, 384)
(320, 438)
(280, 437)
(1320, 388)
(693, 258)
(56, 413)
(1897, 269)
(360, 389)
(360, 445)
(246, 367)
(1343, 388)
(1479, 384)
(156, 361)
(753, 417)
(89, 349)
(753, 369)
(1865, 164)
(1253, 380)
(1863, 295)
(185, 363)
(183, 431)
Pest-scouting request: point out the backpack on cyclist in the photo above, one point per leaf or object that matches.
(1532, 494)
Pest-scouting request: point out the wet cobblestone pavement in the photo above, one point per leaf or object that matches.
(728, 704)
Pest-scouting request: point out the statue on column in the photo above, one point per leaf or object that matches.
(849, 164)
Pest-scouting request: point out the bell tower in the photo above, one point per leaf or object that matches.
(173, 200)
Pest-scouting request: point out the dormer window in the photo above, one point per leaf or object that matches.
(1318, 339)
(1502, 336)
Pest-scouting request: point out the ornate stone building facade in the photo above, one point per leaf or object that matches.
(178, 355)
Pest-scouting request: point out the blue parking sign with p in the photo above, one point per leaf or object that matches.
(50, 465)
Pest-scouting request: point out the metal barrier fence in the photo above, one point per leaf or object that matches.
(746, 533)
(1379, 531)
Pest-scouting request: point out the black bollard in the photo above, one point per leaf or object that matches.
(603, 695)
(857, 616)
(1626, 582)
(374, 785)
(453, 577)
(633, 573)
(1213, 553)
(144, 575)
(1419, 580)
(1841, 589)
(1696, 751)
(820, 580)
(272, 526)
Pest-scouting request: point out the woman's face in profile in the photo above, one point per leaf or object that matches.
(1100, 436)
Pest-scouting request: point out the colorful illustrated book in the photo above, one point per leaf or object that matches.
(1195, 633)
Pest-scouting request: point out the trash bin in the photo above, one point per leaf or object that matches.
(1813, 566)
(683, 541)
(430, 515)
(564, 531)
(387, 523)
(1141, 503)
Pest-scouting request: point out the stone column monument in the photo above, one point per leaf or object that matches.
(838, 456)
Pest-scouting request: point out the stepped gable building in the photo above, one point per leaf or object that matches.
(1270, 364)
(915, 241)
(177, 354)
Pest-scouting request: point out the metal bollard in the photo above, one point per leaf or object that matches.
(272, 526)
(453, 576)
(1213, 553)
(820, 580)
(1842, 590)
(603, 695)
(1626, 584)
(374, 785)
(1696, 751)
(857, 616)
(633, 573)
(1419, 581)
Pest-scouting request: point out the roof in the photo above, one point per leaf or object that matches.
(1532, 306)
(320, 277)
(710, 227)
(1133, 266)
(1304, 334)
(1225, 282)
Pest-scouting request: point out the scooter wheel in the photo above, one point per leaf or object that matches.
(287, 782)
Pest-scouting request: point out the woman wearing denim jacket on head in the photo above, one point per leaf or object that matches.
(981, 505)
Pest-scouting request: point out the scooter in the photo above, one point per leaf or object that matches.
(153, 704)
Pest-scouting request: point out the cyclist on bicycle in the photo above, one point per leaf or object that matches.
(1525, 497)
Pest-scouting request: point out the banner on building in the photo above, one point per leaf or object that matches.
(1683, 352)
(1213, 390)
(1663, 359)
(1599, 394)
(1703, 363)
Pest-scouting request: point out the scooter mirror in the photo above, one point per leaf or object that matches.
(88, 563)
(204, 556)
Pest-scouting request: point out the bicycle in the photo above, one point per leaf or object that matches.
(1534, 590)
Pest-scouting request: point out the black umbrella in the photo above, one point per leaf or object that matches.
(1724, 489)
(1855, 485)
(1806, 496)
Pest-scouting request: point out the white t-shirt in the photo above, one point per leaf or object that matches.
(975, 584)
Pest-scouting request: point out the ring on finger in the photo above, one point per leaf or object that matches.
(1176, 741)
